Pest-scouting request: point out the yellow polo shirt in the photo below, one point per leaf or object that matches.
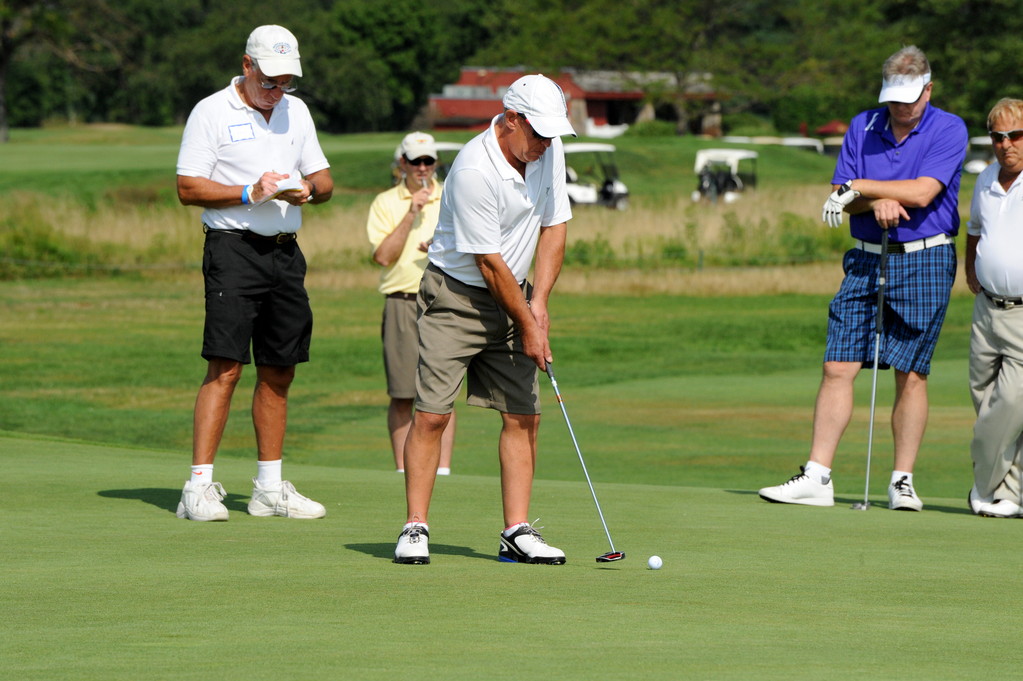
(388, 209)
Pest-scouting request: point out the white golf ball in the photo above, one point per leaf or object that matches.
(654, 562)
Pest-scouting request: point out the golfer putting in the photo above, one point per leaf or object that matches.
(480, 320)
(897, 176)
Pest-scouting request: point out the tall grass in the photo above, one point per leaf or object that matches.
(44, 236)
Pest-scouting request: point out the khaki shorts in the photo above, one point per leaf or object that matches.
(463, 332)
(401, 346)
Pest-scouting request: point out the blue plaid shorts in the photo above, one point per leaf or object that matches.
(916, 296)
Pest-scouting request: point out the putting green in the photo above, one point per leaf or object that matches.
(101, 581)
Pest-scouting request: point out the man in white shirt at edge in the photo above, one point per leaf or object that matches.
(503, 201)
(242, 146)
(994, 271)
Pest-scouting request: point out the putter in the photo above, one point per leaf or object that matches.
(878, 328)
(613, 554)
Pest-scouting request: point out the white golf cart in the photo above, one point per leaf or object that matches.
(442, 164)
(593, 176)
(724, 173)
(979, 154)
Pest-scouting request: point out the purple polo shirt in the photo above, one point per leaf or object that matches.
(935, 148)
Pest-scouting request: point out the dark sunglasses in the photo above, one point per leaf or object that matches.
(536, 135)
(1011, 135)
(421, 161)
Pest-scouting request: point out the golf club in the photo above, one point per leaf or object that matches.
(611, 555)
(878, 328)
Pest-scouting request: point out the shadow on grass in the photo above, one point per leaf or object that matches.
(874, 503)
(168, 499)
(387, 551)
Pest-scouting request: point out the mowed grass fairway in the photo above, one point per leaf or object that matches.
(683, 407)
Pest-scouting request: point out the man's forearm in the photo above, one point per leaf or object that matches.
(550, 255)
(917, 193)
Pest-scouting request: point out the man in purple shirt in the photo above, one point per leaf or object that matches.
(899, 171)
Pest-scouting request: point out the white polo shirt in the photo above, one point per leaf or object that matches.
(996, 216)
(229, 142)
(487, 207)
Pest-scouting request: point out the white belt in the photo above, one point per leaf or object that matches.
(907, 246)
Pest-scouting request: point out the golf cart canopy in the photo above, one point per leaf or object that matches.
(729, 157)
(579, 147)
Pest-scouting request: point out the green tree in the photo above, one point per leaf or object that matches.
(22, 23)
(383, 60)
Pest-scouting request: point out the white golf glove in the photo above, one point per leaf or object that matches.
(836, 203)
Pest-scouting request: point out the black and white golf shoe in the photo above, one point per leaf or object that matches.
(525, 545)
(413, 546)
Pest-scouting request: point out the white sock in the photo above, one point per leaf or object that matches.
(817, 472)
(898, 475)
(268, 473)
(416, 522)
(509, 531)
(202, 474)
(443, 471)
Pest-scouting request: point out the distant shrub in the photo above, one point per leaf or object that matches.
(652, 129)
(748, 124)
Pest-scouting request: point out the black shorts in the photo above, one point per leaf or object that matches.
(255, 295)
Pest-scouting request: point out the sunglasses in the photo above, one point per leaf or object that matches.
(536, 136)
(290, 86)
(1011, 135)
(421, 161)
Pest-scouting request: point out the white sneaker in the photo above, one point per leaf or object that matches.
(976, 501)
(284, 501)
(901, 496)
(413, 546)
(525, 545)
(1000, 508)
(801, 489)
(201, 501)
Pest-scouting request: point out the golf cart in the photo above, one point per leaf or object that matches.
(593, 176)
(979, 154)
(724, 173)
(442, 165)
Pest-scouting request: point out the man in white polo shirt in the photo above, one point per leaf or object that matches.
(250, 157)
(504, 201)
(994, 271)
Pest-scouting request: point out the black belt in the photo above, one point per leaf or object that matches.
(1003, 302)
(402, 296)
(279, 239)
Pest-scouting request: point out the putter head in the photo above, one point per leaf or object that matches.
(860, 506)
(611, 556)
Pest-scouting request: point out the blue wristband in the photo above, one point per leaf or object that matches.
(247, 194)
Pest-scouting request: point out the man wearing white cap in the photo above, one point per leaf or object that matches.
(251, 159)
(898, 171)
(400, 227)
(480, 319)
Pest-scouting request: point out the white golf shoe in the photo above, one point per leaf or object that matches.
(801, 489)
(202, 501)
(525, 545)
(1000, 508)
(902, 497)
(284, 501)
(413, 545)
(976, 501)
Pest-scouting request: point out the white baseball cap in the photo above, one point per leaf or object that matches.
(903, 88)
(275, 51)
(542, 102)
(418, 144)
